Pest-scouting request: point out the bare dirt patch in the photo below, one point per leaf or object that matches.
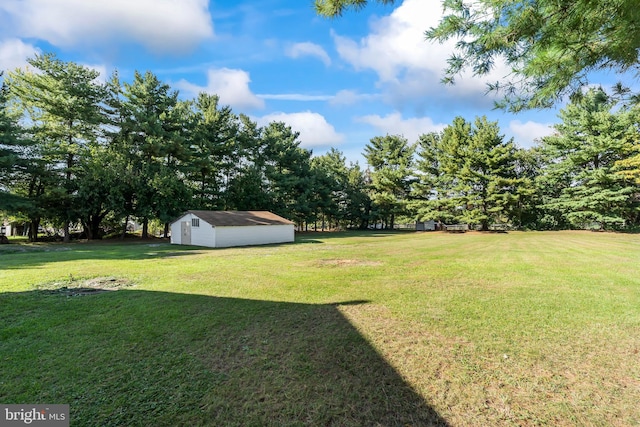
(82, 287)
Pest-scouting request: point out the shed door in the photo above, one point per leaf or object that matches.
(186, 233)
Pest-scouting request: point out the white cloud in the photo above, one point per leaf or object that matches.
(14, 54)
(102, 69)
(162, 25)
(231, 85)
(351, 97)
(314, 129)
(343, 97)
(408, 66)
(295, 97)
(394, 124)
(309, 49)
(527, 133)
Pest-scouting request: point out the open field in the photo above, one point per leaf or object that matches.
(345, 329)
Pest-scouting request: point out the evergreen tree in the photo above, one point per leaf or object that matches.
(287, 172)
(425, 201)
(249, 188)
(358, 203)
(215, 151)
(12, 155)
(438, 193)
(467, 173)
(527, 211)
(550, 46)
(330, 186)
(391, 158)
(63, 103)
(152, 142)
(98, 181)
(487, 175)
(629, 165)
(591, 138)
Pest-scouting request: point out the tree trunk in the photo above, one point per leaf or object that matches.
(145, 228)
(124, 228)
(67, 237)
(94, 227)
(166, 230)
(87, 228)
(33, 229)
(202, 190)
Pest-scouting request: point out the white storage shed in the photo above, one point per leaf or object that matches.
(426, 225)
(222, 229)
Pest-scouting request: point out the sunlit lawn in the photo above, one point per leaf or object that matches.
(336, 329)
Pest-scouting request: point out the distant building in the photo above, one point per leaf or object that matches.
(5, 228)
(221, 229)
(426, 225)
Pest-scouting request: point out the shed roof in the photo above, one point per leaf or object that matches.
(240, 218)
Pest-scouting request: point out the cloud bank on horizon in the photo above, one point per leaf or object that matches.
(337, 82)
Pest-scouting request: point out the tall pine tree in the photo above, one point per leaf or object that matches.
(153, 142)
(63, 102)
(391, 158)
(467, 173)
(592, 137)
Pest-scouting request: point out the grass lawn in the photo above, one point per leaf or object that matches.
(345, 329)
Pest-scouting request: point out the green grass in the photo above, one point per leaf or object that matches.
(337, 329)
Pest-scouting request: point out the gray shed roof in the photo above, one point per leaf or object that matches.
(240, 218)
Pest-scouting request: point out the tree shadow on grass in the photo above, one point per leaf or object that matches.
(313, 236)
(16, 256)
(23, 256)
(151, 358)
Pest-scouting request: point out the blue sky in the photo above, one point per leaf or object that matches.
(338, 82)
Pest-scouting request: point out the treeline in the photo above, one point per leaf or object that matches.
(75, 151)
(586, 175)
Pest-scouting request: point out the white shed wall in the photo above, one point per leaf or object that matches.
(254, 235)
(204, 235)
(176, 236)
(426, 225)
